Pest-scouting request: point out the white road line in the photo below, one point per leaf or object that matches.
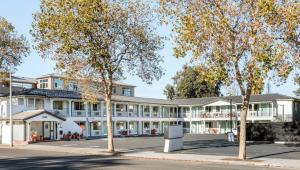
(69, 145)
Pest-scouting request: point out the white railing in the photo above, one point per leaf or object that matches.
(78, 113)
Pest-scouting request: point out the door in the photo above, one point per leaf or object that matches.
(47, 130)
(281, 112)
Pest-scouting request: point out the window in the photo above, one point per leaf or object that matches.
(20, 101)
(78, 105)
(30, 102)
(95, 107)
(126, 92)
(218, 108)
(146, 109)
(250, 106)
(256, 107)
(96, 125)
(130, 108)
(120, 108)
(23, 85)
(155, 109)
(239, 107)
(208, 108)
(43, 83)
(58, 84)
(73, 86)
(114, 90)
(58, 105)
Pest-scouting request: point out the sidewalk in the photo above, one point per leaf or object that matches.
(263, 162)
(63, 149)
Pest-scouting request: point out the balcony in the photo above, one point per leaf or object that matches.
(63, 111)
(155, 115)
(78, 113)
(132, 114)
(146, 114)
(95, 113)
(121, 114)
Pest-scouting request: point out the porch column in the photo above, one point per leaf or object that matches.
(70, 108)
(86, 109)
(28, 131)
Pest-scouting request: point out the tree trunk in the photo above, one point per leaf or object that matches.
(110, 142)
(243, 117)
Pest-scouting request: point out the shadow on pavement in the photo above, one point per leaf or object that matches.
(273, 154)
(61, 162)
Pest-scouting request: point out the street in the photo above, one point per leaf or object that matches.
(25, 159)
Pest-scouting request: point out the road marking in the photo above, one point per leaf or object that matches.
(69, 145)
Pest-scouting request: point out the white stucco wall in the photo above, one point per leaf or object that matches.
(5, 133)
(287, 107)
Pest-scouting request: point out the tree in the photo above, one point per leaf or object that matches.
(97, 42)
(169, 91)
(12, 47)
(239, 41)
(190, 83)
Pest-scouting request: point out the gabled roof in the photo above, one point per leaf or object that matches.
(25, 115)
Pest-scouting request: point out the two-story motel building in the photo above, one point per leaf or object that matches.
(48, 107)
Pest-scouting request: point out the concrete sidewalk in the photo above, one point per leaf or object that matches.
(63, 149)
(263, 162)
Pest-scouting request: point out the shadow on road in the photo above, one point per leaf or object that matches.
(62, 162)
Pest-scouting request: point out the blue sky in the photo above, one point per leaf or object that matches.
(19, 13)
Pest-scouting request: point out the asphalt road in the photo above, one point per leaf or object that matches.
(25, 159)
(193, 144)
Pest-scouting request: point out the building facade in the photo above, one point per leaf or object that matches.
(52, 109)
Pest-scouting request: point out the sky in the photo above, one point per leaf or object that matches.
(19, 13)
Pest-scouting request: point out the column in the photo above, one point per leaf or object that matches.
(70, 108)
(28, 131)
(86, 109)
(160, 111)
(115, 128)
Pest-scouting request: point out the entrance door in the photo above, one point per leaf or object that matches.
(281, 112)
(47, 130)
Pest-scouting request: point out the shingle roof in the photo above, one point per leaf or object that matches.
(235, 99)
(25, 115)
(143, 100)
(46, 93)
(191, 101)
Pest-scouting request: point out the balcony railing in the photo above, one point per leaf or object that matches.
(95, 113)
(63, 111)
(78, 113)
(121, 114)
(146, 114)
(259, 113)
(155, 115)
(133, 114)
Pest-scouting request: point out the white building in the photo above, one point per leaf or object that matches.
(49, 111)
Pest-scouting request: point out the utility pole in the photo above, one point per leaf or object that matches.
(10, 111)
